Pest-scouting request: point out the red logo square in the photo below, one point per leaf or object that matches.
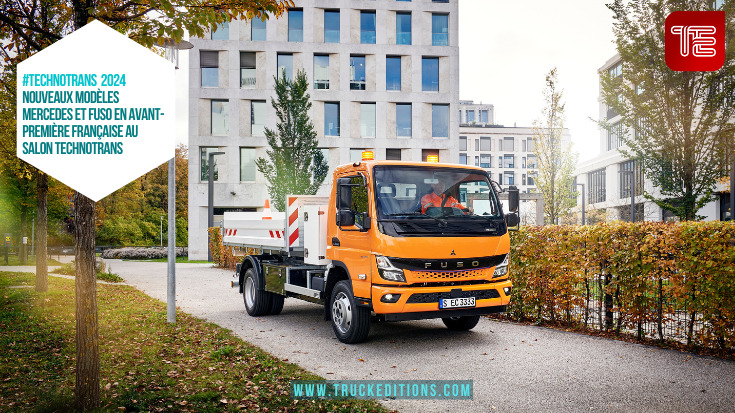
(695, 40)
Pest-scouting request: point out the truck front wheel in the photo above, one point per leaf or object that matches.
(257, 301)
(350, 322)
(461, 323)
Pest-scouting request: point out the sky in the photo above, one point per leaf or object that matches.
(506, 48)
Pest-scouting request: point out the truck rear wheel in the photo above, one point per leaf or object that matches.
(461, 323)
(257, 301)
(351, 323)
(276, 304)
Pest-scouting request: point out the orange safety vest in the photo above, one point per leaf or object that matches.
(434, 200)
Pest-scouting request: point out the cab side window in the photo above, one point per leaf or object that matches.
(359, 199)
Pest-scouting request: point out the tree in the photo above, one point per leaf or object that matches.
(29, 26)
(678, 124)
(554, 157)
(295, 165)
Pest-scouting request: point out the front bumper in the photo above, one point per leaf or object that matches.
(418, 303)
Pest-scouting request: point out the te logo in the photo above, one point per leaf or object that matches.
(695, 40)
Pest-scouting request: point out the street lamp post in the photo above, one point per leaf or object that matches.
(172, 54)
(210, 202)
(582, 185)
(161, 230)
(632, 192)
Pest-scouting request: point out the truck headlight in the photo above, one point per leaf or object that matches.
(387, 271)
(502, 269)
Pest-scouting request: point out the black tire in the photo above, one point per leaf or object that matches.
(351, 323)
(257, 301)
(461, 323)
(276, 304)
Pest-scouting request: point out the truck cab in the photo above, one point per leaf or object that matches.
(401, 241)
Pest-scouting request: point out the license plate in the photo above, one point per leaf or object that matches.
(456, 302)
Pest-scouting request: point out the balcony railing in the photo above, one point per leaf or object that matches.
(403, 38)
(367, 37)
(321, 84)
(440, 39)
(357, 85)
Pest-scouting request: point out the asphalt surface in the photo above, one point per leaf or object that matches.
(514, 367)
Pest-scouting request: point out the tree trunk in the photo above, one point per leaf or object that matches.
(41, 241)
(88, 364)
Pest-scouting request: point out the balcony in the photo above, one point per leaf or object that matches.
(247, 78)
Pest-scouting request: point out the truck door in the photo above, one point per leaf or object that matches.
(354, 248)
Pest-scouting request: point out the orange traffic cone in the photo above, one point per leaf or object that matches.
(267, 210)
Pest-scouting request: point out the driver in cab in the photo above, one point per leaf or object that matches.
(438, 198)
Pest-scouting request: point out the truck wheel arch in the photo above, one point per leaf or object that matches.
(251, 261)
(336, 273)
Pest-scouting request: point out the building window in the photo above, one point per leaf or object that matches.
(625, 178)
(403, 119)
(403, 28)
(205, 151)
(439, 121)
(367, 120)
(614, 136)
(485, 144)
(486, 161)
(509, 178)
(430, 74)
(531, 163)
(321, 71)
(356, 154)
(425, 153)
(616, 70)
(725, 207)
(531, 146)
(462, 143)
(596, 186)
(393, 154)
(285, 63)
(463, 159)
(257, 29)
(247, 70)
(367, 27)
(295, 25)
(331, 118)
(357, 72)
(247, 164)
(257, 117)
(331, 26)
(470, 116)
(439, 29)
(508, 161)
(483, 116)
(209, 62)
(508, 145)
(477, 161)
(221, 31)
(393, 73)
(532, 178)
(220, 117)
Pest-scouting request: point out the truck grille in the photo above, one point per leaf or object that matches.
(424, 298)
(449, 275)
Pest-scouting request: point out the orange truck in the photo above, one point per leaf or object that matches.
(394, 241)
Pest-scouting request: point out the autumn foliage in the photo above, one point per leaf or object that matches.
(672, 282)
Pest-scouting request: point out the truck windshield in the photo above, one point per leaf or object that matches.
(420, 199)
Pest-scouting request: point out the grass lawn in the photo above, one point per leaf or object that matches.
(146, 363)
(15, 260)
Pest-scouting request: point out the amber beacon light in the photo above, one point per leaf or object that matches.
(368, 156)
(432, 158)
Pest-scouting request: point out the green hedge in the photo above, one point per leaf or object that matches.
(671, 282)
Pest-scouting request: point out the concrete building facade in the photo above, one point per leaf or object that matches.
(608, 180)
(384, 76)
(507, 152)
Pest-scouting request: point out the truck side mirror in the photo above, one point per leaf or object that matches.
(512, 220)
(345, 218)
(344, 194)
(513, 199)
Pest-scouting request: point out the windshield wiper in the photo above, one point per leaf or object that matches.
(415, 213)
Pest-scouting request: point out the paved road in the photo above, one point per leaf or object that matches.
(514, 367)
